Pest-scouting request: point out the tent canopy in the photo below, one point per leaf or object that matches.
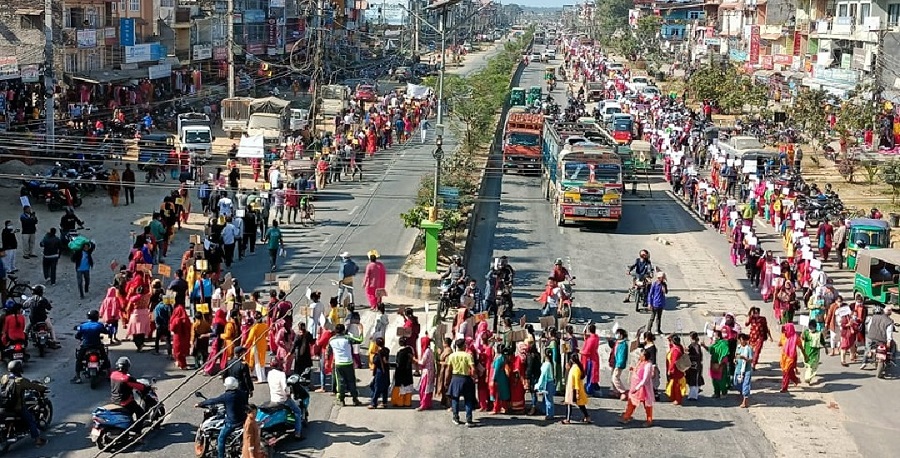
(268, 105)
(251, 147)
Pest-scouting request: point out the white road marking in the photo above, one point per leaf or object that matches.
(561, 231)
(325, 241)
(353, 210)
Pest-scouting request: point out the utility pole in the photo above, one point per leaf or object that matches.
(315, 78)
(416, 26)
(880, 62)
(229, 41)
(49, 84)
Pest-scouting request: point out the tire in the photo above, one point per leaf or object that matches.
(42, 350)
(108, 439)
(19, 290)
(54, 206)
(444, 309)
(77, 202)
(95, 380)
(44, 421)
(879, 369)
(201, 444)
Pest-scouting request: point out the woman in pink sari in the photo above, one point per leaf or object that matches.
(111, 310)
(484, 358)
(216, 361)
(590, 359)
(426, 382)
(284, 343)
(375, 280)
(641, 391)
(765, 265)
(370, 141)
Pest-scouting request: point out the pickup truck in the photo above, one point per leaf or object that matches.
(735, 147)
(195, 135)
(235, 114)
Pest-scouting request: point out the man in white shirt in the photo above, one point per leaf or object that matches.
(341, 347)
(280, 393)
(238, 223)
(229, 238)
(226, 206)
(274, 177)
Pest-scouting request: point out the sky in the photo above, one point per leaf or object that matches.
(542, 3)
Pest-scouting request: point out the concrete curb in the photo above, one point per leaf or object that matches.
(419, 288)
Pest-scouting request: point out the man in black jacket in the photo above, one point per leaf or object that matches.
(52, 246)
(238, 369)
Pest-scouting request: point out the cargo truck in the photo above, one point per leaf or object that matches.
(522, 141)
(235, 115)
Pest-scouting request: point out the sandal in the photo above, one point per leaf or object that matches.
(586, 421)
(566, 422)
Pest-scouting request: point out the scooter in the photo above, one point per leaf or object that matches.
(113, 426)
(13, 428)
(206, 438)
(15, 351)
(276, 422)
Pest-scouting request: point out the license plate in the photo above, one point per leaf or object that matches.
(95, 434)
(18, 355)
(93, 365)
(592, 213)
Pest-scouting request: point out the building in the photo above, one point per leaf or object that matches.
(22, 40)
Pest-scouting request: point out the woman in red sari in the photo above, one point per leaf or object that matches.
(676, 385)
(759, 332)
(791, 345)
(180, 327)
(370, 141)
(485, 354)
(517, 379)
(590, 359)
(214, 364)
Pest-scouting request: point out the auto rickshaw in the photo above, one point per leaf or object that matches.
(874, 233)
(517, 96)
(535, 95)
(877, 276)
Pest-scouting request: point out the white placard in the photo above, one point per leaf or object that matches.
(745, 229)
(709, 329)
(808, 255)
(796, 216)
(24, 201)
(729, 162)
(816, 263)
(785, 190)
(720, 159)
(752, 241)
(776, 270)
(775, 282)
(753, 177)
(806, 249)
(770, 186)
(734, 215)
(804, 241)
(803, 320)
(800, 225)
(842, 311)
(731, 202)
(704, 185)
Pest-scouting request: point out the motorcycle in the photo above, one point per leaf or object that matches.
(503, 298)
(641, 287)
(37, 188)
(449, 297)
(113, 426)
(39, 335)
(568, 296)
(13, 428)
(15, 351)
(883, 359)
(276, 421)
(207, 435)
(57, 200)
(94, 366)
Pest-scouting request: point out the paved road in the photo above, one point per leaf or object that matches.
(354, 217)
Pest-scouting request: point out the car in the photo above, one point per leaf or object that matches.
(638, 83)
(651, 91)
(550, 53)
(615, 66)
(535, 57)
(609, 109)
(402, 74)
(365, 93)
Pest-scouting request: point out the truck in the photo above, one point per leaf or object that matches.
(335, 98)
(235, 115)
(269, 118)
(522, 141)
(582, 179)
(735, 147)
(195, 135)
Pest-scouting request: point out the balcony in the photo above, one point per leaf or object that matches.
(847, 28)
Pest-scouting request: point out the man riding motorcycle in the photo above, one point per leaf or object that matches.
(560, 273)
(880, 332)
(456, 272)
(235, 401)
(122, 386)
(90, 333)
(40, 308)
(642, 269)
(68, 222)
(16, 402)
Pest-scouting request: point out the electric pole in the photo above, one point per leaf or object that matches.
(315, 78)
(49, 84)
(416, 26)
(229, 41)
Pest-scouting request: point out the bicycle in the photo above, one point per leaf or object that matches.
(19, 292)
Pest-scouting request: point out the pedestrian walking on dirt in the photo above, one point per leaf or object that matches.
(128, 184)
(29, 229)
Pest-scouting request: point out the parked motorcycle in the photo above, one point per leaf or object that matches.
(205, 440)
(111, 422)
(13, 428)
(37, 188)
(276, 422)
(57, 200)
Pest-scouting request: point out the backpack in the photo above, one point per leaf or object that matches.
(683, 362)
(7, 392)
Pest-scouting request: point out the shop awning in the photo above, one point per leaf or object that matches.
(110, 76)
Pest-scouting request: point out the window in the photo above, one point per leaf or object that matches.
(842, 11)
(75, 18)
(167, 3)
(70, 63)
(32, 22)
(864, 11)
(90, 18)
(893, 14)
(695, 15)
(853, 9)
(134, 5)
(122, 8)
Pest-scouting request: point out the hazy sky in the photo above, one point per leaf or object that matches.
(544, 3)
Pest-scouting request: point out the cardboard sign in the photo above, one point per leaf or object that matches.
(746, 229)
(239, 213)
(304, 312)
(201, 265)
(807, 255)
(479, 317)
(202, 307)
(800, 225)
(752, 241)
(284, 285)
(148, 268)
(842, 311)
(796, 216)
(805, 241)
(24, 201)
(776, 270)
(270, 278)
(770, 186)
(785, 191)
(733, 215)
(518, 336)
(404, 332)
(216, 303)
(179, 201)
(731, 202)
(803, 320)
(164, 270)
(729, 162)
(195, 239)
(547, 322)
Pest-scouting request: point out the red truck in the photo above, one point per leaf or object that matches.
(522, 142)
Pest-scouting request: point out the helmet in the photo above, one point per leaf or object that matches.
(558, 261)
(123, 364)
(15, 367)
(9, 305)
(231, 384)
(93, 315)
(38, 290)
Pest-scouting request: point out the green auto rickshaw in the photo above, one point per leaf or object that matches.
(517, 96)
(535, 95)
(874, 233)
(877, 275)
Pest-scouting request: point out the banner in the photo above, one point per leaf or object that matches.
(797, 38)
(417, 91)
(126, 32)
(9, 67)
(86, 38)
(754, 44)
(272, 32)
(767, 62)
(31, 73)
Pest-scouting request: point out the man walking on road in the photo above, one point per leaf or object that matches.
(52, 246)
(656, 300)
(341, 348)
(128, 184)
(230, 235)
(10, 244)
(29, 229)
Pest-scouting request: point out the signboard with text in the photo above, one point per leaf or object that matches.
(126, 32)
(86, 38)
(754, 45)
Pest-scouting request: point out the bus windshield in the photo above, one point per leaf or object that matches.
(581, 171)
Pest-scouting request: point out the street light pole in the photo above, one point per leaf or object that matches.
(438, 157)
(440, 94)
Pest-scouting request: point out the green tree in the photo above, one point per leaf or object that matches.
(890, 173)
(808, 113)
